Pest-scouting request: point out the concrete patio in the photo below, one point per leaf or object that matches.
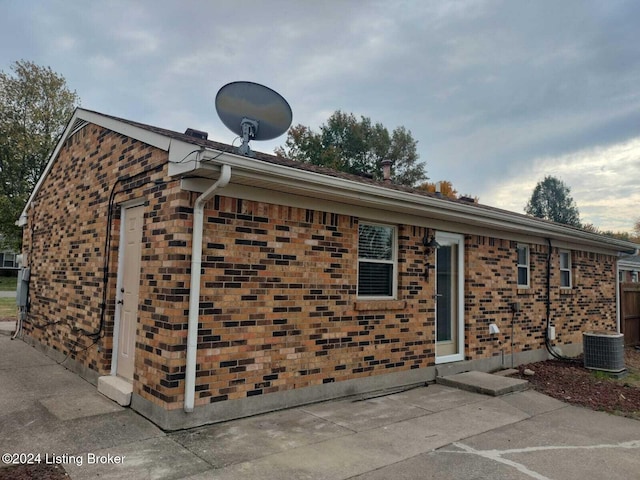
(432, 431)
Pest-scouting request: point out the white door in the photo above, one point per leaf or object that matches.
(130, 249)
(449, 297)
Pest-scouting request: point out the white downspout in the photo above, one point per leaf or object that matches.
(194, 291)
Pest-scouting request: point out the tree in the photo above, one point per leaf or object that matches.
(551, 200)
(356, 146)
(35, 105)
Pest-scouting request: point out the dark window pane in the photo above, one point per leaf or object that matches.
(375, 279)
(565, 279)
(522, 255)
(522, 276)
(443, 328)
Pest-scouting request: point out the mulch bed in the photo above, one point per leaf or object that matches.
(574, 384)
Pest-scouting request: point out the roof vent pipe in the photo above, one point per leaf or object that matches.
(386, 170)
(194, 290)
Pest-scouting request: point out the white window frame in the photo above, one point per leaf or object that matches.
(526, 265)
(567, 268)
(8, 260)
(393, 262)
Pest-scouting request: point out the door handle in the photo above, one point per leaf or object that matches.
(120, 302)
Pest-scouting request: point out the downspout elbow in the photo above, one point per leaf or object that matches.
(194, 290)
(223, 181)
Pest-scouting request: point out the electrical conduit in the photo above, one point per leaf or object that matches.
(547, 341)
(194, 291)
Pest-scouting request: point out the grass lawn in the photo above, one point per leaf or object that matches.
(8, 284)
(8, 309)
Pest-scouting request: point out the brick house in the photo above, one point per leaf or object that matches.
(8, 263)
(214, 285)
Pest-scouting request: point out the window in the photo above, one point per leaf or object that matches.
(376, 260)
(523, 266)
(565, 269)
(634, 276)
(7, 260)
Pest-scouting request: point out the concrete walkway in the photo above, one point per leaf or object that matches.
(428, 432)
(7, 294)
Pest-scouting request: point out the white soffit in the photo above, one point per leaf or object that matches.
(269, 176)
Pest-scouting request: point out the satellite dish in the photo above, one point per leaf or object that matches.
(253, 112)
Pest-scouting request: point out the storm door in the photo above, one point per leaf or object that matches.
(449, 297)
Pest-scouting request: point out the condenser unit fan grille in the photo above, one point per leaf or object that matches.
(604, 351)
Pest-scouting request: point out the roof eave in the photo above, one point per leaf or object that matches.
(79, 114)
(310, 183)
(306, 182)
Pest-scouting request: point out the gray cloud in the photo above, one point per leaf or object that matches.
(493, 90)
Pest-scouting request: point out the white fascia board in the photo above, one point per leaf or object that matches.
(313, 202)
(140, 134)
(324, 186)
(23, 216)
(626, 264)
(184, 157)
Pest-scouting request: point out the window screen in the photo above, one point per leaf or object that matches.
(523, 266)
(376, 260)
(565, 269)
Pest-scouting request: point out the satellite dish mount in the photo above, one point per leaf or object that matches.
(253, 112)
(249, 130)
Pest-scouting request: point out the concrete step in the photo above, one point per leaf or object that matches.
(117, 389)
(485, 383)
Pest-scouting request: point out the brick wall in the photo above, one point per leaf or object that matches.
(491, 288)
(278, 307)
(64, 240)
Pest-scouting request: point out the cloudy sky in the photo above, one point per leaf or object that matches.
(497, 93)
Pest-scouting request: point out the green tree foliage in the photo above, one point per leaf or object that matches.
(35, 105)
(551, 199)
(356, 146)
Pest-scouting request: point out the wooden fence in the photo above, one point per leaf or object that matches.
(630, 312)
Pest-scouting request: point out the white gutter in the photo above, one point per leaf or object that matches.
(314, 184)
(194, 291)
